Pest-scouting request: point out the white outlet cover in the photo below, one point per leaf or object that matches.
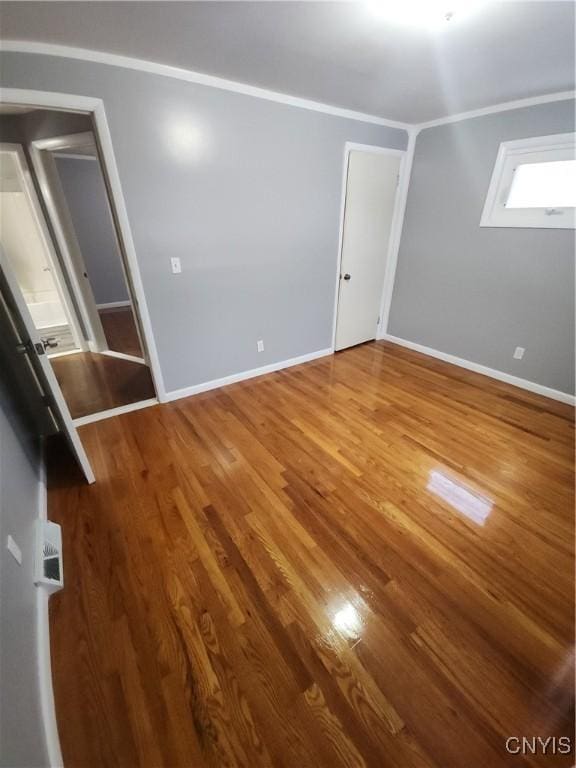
(519, 353)
(14, 549)
(260, 345)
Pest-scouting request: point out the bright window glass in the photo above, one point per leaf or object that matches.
(544, 185)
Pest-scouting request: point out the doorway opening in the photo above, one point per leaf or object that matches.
(33, 260)
(60, 238)
(370, 216)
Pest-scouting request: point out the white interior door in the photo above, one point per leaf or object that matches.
(29, 345)
(371, 189)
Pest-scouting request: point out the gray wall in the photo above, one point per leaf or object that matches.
(246, 192)
(12, 128)
(21, 729)
(478, 293)
(41, 125)
(85, 192)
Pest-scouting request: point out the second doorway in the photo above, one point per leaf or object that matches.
(372, 180)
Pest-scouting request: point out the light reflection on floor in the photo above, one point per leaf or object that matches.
(472, 505)
(348, 622)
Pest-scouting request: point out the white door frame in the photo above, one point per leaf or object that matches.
(65, 233)
(42, 150)
(95, 107)
(42, 154)
(38, 215)
(406, 157)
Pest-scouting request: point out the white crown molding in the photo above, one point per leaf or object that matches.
(503, 107)
(516, 381)
(212, 81)
(178, 73)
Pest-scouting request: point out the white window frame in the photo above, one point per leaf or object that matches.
(559, 146)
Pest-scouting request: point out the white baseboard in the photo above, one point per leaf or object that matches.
(46, 691)
(108, 414)
(531, 386)
(196, 389)
(114, 305)
(54, 355)
(51, 737)
(123, 356)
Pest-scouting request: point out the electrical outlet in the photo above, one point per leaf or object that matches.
(519, 353)
(260, 345)
(176, 266)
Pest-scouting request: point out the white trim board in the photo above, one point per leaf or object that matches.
(505, 106)
(179, 73)
(123, 356)
(507, 378)
(51, 738)
(188, 75)
(47, 708)
(114, 304)
(196, 389)
(396, 233)
(72, 156)
(101, 415)
(53, 355)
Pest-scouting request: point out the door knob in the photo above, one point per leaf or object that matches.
(346, 276)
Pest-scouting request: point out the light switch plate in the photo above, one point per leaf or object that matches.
(176, 265)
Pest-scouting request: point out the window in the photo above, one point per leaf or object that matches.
(533, 184)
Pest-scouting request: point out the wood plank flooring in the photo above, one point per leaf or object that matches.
(366, 560)
(120, 330)
(92, 382)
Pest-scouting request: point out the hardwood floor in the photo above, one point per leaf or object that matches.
(366, 560)
(92, 383)
(120, 330)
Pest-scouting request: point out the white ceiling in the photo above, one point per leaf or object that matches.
(338, 53)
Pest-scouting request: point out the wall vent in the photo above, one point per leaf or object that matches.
(49, 572)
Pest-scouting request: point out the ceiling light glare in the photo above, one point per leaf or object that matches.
(421, 13)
